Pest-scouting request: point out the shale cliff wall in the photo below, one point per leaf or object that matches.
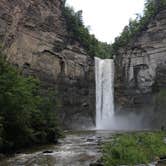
(35, 38)
(140, 82)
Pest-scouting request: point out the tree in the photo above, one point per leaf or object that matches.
(135, 27)
(17, 102)
(78, 32)
(26, 117)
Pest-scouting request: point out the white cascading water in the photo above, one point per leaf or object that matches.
(104, 72)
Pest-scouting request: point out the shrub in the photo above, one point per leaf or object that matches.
(26, 118)
(78, 32)
(135, 27)
(135, 148)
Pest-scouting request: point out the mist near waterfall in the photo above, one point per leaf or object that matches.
(127, 121)
(104, 72)
(106, 116)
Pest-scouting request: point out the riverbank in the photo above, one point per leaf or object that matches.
(77, 149)
(86, 148)
(135, 148)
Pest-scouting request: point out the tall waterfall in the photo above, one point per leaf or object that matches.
(104, 72)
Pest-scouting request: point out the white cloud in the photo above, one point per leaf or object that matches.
(107, 18)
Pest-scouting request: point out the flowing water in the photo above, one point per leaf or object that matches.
(76, 149)
(106, 119)
(82, 148)
(104, 71)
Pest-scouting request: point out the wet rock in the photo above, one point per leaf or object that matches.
(96, 164)
(2, 156)
(161, 163)
(78, 152)
(48, 151)
(90, 140)
(163, 158)
(99, 137)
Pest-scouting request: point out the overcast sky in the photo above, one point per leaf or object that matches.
(107, 18)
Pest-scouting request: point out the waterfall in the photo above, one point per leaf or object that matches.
(104, 72)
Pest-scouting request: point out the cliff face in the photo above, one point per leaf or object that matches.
(141, 72)
(36, 40)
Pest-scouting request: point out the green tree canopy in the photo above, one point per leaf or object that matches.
(136, 26)
(78, 32)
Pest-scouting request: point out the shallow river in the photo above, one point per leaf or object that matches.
(76, 149)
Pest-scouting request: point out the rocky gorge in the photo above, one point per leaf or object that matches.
(75, 80)
(140, 79)
(35, 39)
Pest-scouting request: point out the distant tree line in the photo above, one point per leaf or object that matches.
(136, 26)
(26, 117)
(78, 32)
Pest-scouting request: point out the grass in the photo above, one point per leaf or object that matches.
(134, 148)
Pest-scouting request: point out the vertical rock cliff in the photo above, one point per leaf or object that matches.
(35, 37)
(141, 73)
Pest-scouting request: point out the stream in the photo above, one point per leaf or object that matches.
(76, 149)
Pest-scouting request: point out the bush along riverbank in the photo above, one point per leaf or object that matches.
(135, 148)
(26, 117)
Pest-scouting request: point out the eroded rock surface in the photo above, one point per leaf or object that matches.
(141, 72)
(36, 40)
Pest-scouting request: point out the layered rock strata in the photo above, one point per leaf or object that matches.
(35, 38)
(141, 72)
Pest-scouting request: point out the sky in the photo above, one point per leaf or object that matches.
(107, 18)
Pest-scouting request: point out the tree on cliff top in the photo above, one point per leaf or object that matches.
(78, 32)
(136, 26)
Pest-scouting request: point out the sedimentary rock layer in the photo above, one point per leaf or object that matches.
(141, 70)
(35, 38)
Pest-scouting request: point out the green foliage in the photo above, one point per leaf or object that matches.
(131, 149)
(135, 27)
(26, 118)
(80, 33)
(45, 122)
(161, 97)
(162, 4)
(77, 31)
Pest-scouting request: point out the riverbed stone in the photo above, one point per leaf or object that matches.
(48, 151)
(96, 164)
(2, 156)
(161, 163)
